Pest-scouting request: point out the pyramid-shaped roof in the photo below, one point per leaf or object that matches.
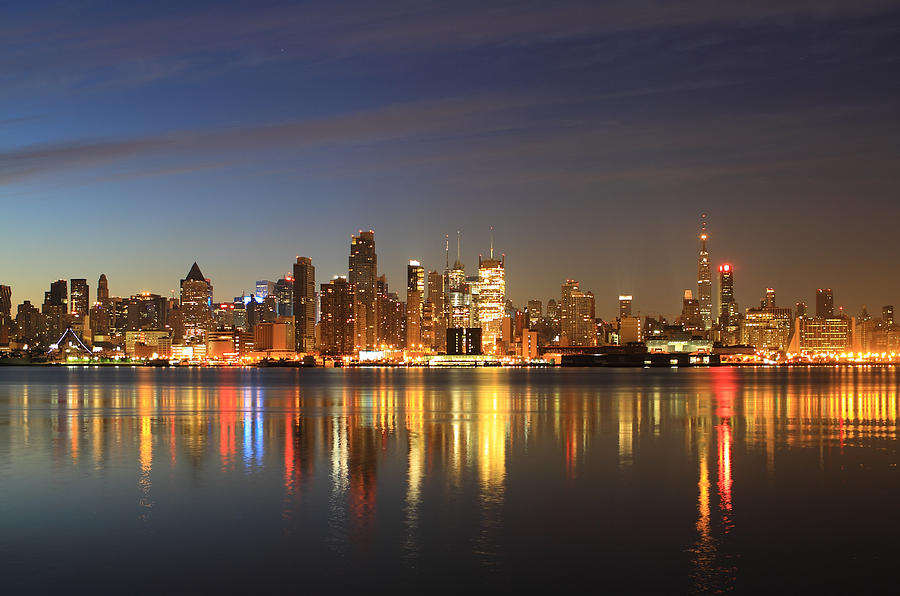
(194, 274)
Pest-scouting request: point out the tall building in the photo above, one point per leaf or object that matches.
(459, 293)
(391, 328)
(727, 305)
(284, 297)
(800, 310)
(887, 315)
(567, 312)
(491, 297)
(79, 297)
(102, 288)
(363, 276)
(769, 300)
(5, 301)
(690, 313)
(625, 305)
(553, 315)
(767, 327)
(303, 296)
(338, 323)
(196, 304)
(823, 335)
(824, 303)
(58, 294)
(437, 298)
(534, 313)
(704, 278)
(415, 301)
(264, 288)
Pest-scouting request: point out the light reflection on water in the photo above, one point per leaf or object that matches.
(516, 476)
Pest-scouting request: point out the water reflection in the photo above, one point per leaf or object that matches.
(379, 454)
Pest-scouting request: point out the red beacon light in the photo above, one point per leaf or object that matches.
(724, 268)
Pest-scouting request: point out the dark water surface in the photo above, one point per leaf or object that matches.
(129, 480)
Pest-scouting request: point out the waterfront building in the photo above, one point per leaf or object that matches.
(767, 328)
(630, 330)
(338, 323)
(823, 335)
(464, 340)
(691, 319)
(303, 307)
(362, 274)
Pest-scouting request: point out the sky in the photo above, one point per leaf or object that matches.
(136, 138)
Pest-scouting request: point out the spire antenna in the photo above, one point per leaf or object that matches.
(492, 242)
(457, 245)
(447, 251)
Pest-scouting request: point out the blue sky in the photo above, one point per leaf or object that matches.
(136, 138)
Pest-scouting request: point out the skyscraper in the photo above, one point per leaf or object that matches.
(459, 296)
(363, 276)
(769, 301)
(727, 306)
(887, 315)
(415, 298)
(704, 278)
(284, 297)
(5, 301)
(102, 288)
(196, 304)
(304, 304)
(79, 301)
(338, 325)
(824, 303)
(491, 297)
(437, 298)
(625, 305)
(534, 313)
(690, 313)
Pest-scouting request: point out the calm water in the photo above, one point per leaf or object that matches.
(141, 480)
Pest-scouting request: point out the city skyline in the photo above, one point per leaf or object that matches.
(589, 134)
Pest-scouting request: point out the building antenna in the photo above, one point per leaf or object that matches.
(457, 245)
(492, 242)
(447, 251)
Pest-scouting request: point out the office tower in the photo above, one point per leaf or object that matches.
(29, 323)
(567, 313)
(58, 294)
(824, 303)
(727, 306)
(338, 323)
(196, 304)
(767, 327)
(362, 275)
(415, 298)
(391, 330)
(887, 315)
(533, 313)
(585, 328)
(79, 297)
(491, 297)
(304, 304)
(102, 288)
(630, 330)
(625, 305)
(769, 301)
(284, 296)
(264, 288)
(823, 335)
(437, 297)
(800, 309)
(459, 292)
(690, 313)
(553, 315)
(5, 301)
(704, 277)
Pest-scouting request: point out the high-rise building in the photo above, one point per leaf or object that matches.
(196, 304)
(415, 299)
(102, 288)
(566, 312)
(704, 278)
(585, 327)
(800, 309)
(823, 335)
(553, 315)
(534, 315)
(437, 297)
(264, 288)
(824, 303)
(767, 327)
(79, 297)
(887, 315)
(363, 275)
(690, 313)
(391, 329)
(769, 300)
(491, 297)
(338, 323)
(5, 301)
(303, 297)
(58, 294)
(459, 293)
(727, 305)
(284, 297)
(625, 305)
